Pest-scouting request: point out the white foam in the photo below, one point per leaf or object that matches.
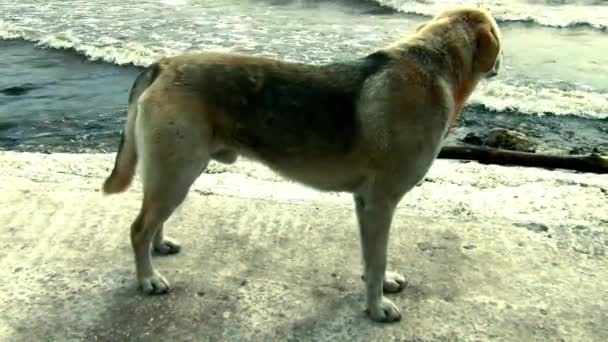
(107, 50)
(10, 31)
(501, 96)
(565, 15)
(174, 2)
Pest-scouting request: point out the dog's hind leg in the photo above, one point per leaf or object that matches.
(173, 154)
(163, 244)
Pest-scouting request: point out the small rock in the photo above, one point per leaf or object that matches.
(428, 246)
(534, 227)
(469, 246)
(200, 293)
(473, 139)
(509, 140)
(543, 311)
(244, 282)
(578, 151)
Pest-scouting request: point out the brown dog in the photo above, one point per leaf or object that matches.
(372, 127)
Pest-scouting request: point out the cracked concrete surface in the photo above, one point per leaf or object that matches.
(490, 253)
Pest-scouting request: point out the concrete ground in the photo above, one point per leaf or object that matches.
(490, 253)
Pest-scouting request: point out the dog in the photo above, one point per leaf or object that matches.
(371, 126)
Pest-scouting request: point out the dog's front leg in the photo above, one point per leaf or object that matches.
(374, 224)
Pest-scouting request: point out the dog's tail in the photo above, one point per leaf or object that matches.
(126, 158)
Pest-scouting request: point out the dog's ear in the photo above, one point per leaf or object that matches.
(487, 48)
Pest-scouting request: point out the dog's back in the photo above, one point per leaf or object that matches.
(280, 109)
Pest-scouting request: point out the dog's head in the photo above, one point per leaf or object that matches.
(482, 36)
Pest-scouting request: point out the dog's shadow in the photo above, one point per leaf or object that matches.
(286, 286)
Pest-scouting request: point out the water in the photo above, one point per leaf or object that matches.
(552, 13)
(555, 53)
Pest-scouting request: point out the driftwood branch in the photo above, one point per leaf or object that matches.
(487, 155)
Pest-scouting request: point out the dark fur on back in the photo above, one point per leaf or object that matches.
(296, 109)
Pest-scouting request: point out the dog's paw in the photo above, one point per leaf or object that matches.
(393, 282)
(167, 246)
(155, 284)
(384, 312)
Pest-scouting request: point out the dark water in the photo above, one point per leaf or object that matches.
(58, 100)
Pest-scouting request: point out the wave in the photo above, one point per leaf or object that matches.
(560, 16)
(110, 50)
(541, 99)
(496, 95)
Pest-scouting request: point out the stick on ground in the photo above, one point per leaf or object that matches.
(487, 155)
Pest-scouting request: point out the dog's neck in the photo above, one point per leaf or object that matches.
(459, 61)
(451, 60)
